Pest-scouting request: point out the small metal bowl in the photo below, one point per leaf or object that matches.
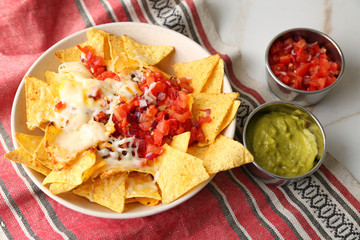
(304, 98)
(290, 108)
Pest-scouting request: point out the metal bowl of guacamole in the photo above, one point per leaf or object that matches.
(287, 141)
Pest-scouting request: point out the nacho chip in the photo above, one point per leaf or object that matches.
(75, 174)
(199, 71)
(42, 157)
(225, 153)
(29, 142)
(197, 151)
(145, 54)
(219, 105)
(181, 141)
(141, 185)
(60, 156)
(120, 59)
(230, 115)
(96, 40)
(54, 81)
(39, 102)
(147, 201)
(57, 188)
(215, 81)
(99, 38)
(20, 155)
(179, 173)
(109, 192)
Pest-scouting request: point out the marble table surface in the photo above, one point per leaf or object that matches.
(251, 24)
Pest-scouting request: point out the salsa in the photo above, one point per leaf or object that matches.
(301, 65)
(158, 111)
(283, 144)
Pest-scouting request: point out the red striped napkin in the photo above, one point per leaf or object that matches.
(233, 205)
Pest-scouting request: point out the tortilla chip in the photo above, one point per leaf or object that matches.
(120, 59)
(179, 173)
(147, 201)
(29, 142)
(199, 71)
(39, 102)
(109, 192)
(75, 174)
(99, 38)
(197, 151)
(141, 185)
(225, 153)
(41, 156)
(219, 105)
(60, 156)
(96, 40)
(145, 54)
(215, 81)
(181, 141)
(230, 115)
(156, 69)
(57, 188)
(20, 155)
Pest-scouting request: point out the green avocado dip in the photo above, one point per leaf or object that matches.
(283, 144)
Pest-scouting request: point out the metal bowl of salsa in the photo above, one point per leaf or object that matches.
(303, 65)
(287, 141)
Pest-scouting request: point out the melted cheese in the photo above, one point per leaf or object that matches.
(78, 90)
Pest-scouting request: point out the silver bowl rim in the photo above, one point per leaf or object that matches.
(338, 79)
(257, 109)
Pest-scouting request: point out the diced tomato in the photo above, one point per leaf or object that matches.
(60, 106)
(303, 69)
(285, 59)
(158, 137)
(301, 65)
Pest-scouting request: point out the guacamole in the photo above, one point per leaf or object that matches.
(283, 144)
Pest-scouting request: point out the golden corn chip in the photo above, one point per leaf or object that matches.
(75, 174)
(29, 142)
(197, 151)
(181, 141)
(41, 156)
(141, 185)
(70, 54)
(20, 155)
(215, 81)
(147, 201)
(145, 54)
(109, 192)
(61, 157)
(89, 172)
(199, 71)
(57, 188)
(130, 200)
(219, 105)
(156, 69)
(120, 59)
(179, 173)
(39, 102)
(54, 81)
(99, 38)
(225, 153)
(109, 170)
(230, 115)
(96, 40)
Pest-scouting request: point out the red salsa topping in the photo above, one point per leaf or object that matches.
(301, 65)
(154, 117)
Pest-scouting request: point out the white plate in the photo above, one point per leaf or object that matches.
(185, 50)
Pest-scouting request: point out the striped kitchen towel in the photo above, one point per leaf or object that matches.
(233, 205)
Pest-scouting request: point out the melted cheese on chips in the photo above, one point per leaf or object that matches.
(78, 90)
